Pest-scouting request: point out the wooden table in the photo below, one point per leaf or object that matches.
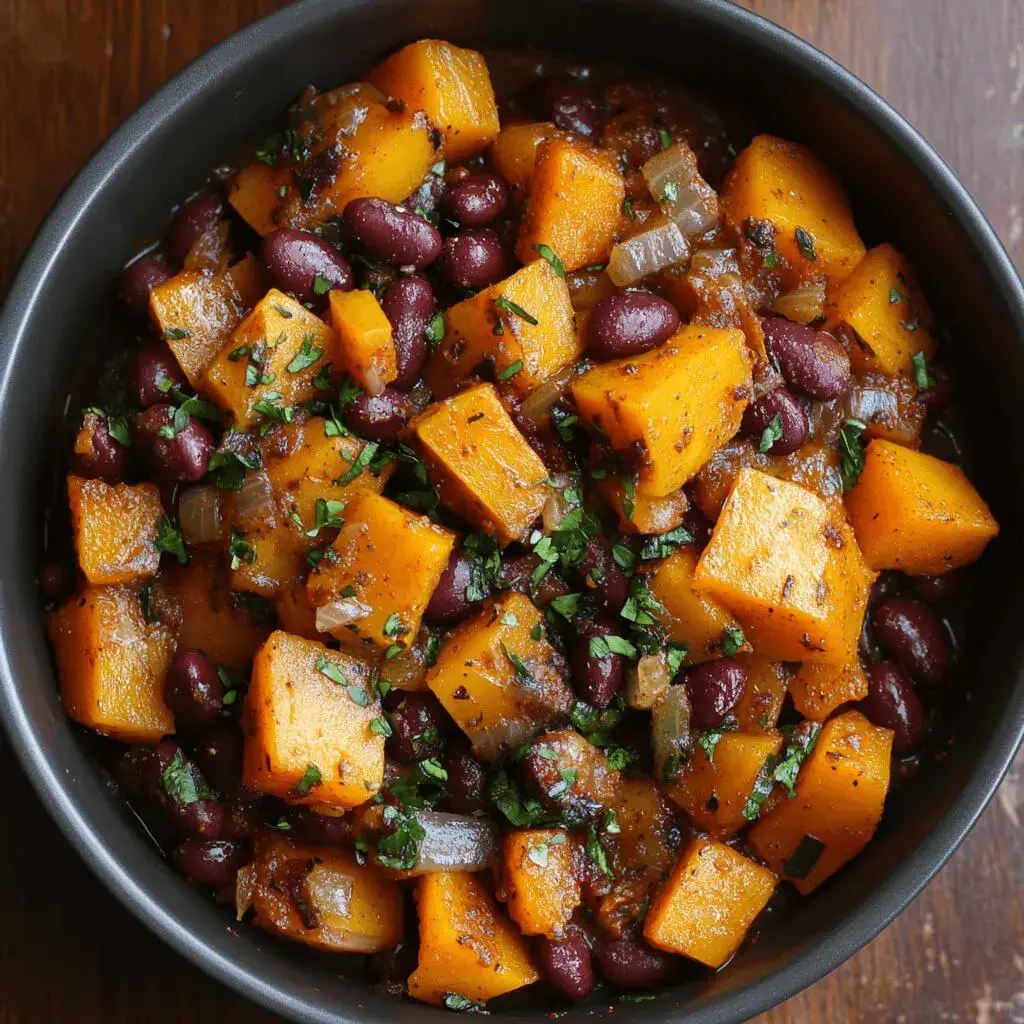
(70, 70)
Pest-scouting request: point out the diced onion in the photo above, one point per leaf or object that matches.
(338, 614)
(536, 406)
(201, 515)
(646, 681)
(491, 743)
(254, 502)
(803, 305)
(694, 206)
(557, 506)
(670, 729)
(455, 842)
(407, 671)
(651, 250)
(372, 379)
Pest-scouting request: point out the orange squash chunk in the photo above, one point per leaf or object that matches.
(881, 303)
(514, 153)
(708, 903)
(714, 793)
(274, 560)
(366, 351)
(496, 703)
(574, 204)
(541, 890)
(255, 193)
(111, 664)
(916, 513)
(646, 513)
(674, 405)
(267, 366)
(484, 329)
(789, 569)
(817, 690)
(786, 184)
(761, 704)
(307, 725)
(115, 528)
(451, 85)
(467, 945)
(488, 473)
(296, 615)
(387, 561)
(353, 908)
(840, 792)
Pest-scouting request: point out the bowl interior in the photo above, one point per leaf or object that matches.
(901, 194)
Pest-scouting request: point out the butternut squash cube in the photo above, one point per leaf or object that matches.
(916, 513)
(386, 561)
(496, 681)
(267, 366)
(294, 612)
(467, 946)
(366, 351)
(881, 303)
(255, 193)
(673, 406)
(115, 528)
(486, 328)
(817, 690)
(514, 153)
(111, 664)
(487, 472)
(789, 569)
(785, 183)
(451, 85)
(573, 205)
(840, 792)
(761, 704)
(646, 513)
(540, 888)
(273, 560)
(708, 903)
(307, 725)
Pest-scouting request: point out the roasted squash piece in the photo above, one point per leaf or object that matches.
(708, 903)
(881, 303)
(307, 725)
(673, 405)
(840, 792)
(320, 896)
(294, 612)
(386, 563)
(573, 205)
(111, 664)
(514, 153)
(789, 569)
(540, 888)
(523, 326)
(488, 473)
(467, 946)
(115, 527)
(255, 193)
(916, 513)
(761, 704)
(451, 85)
(817, 690)
(567, 767)
(266, 560)
(366, 351)
(496, 681)
(643, 513)
(786, 184)
(267, 366)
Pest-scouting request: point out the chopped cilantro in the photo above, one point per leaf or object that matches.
(805, 243)
(400, 850)
(628, 496)
(546, 252)
(332, 670)
(666, 139)
(328, 516)
(502, 303)
(322, 285)
(733, 641)
(306, 356)
(804, 857)
(670, 193)
(511, 370)
(922, 377)
(361, 461)
(240, 550)
(169, 540)
(505, 795)
(180, 783)
(436, 329)
(460, 1004)
(709, 741)
(662, 545)
(770, 434)
(851, 451)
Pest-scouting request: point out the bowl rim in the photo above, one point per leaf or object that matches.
(27, 291)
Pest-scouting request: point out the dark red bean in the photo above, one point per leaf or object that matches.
(813, 363)
(893, 704)
(914, 637)
(630, 963)
(102, 457)
(155, 366)
(183, 458)
(567, 965)
(193, 691)
(210, 863)
(936, 589)
(698, 526)
(378, 417)
(203, 817)
(392, 235)
(428, 197)
(477, 200)
(628, 324)
(792, 422)
(245, 819)
(473, 259)
(218, 753)
(597, 679)
(417, 724)
(602, 575)
(568, 102)
(53, 580)
(449, 603)
(296, 259)
(321, 829)
(391, 968)
(191, 222)
(139, 279)
(715, 688)
(467, 779)
(409, 305)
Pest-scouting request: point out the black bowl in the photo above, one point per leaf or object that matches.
(120, 200)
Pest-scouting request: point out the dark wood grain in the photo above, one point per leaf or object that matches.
(70, 70)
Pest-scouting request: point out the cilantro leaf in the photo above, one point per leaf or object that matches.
(169, 540)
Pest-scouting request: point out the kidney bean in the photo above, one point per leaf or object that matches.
(630, 963)
(392, 235)
(567, 965)
(477, 200)
(213, 863)
(183, 458)
(203, 817)
(568, 102)
(321, 829)
(193, 691)
(467, 779)
(296, 259)
(697, 525)
(935, 589)
(715, 688)
(602, 575)
(597, 680)
(813, 363)
(628, 324)
(391, 968)
(155, 365)
(792, 420)
(449, 603)
(428, 196)
(473, 259)
(193, 220)
(893, 704)
(417, 724)
(104, 457)
(139, 279)
(914, 637)
(245, 819)
(218, 752)
(377, 417)
(409, 305)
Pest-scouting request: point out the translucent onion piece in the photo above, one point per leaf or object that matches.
(803, 305)
(653, 249)
(536, 406)
(670, 729)
(408, 670)
(646, 681)
(714, 262)
(372, 379)
(587, 288)
(887, 404)
(490, 744)
(674, 181)
(557, 507)
(254, 503)
(455, 842)
(201, 515)
(339, 614)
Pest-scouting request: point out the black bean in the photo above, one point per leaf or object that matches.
(378, 417)
(477, 200)
(597, 679)
(155, 366)
(568, 102)
(813, 363)
(473, 259)
(139, 279)
(218, 752)
(417, 724)
(715, 688)
(449, 602)
(191, 222)
(210, 863)
(392, 235)
(628, 324)
(914, 637)
(183, 458)
(630, 962)
(409, 305)
(567, 965)
(602, 575)
(792, 421)
(936, 589)
(467, 779)
(102, 457)
(193, 691)
(893, 704)
(296, 259)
